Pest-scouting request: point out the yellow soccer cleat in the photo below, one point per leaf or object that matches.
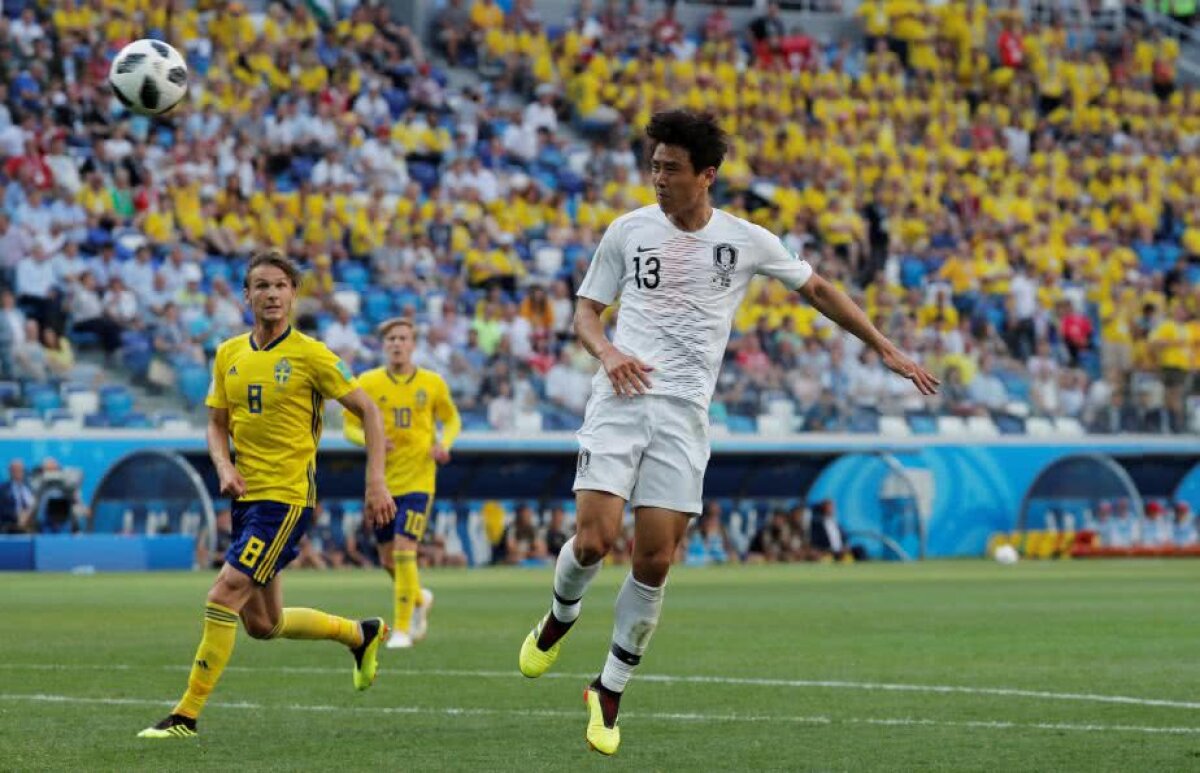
(600, 737)
(174, 726)
(533, 661)
(366, 662)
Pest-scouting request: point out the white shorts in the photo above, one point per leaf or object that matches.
(650, 450)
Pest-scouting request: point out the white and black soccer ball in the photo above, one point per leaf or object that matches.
(149, 77)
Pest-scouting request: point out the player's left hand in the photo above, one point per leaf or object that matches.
(380, 508)
(439, 454)
(897, 362)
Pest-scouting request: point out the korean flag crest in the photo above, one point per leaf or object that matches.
(725, 258)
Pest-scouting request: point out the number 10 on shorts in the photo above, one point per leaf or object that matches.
(414, 523)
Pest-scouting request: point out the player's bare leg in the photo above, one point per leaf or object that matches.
(263, 610)
(597, 527)
(657, 534)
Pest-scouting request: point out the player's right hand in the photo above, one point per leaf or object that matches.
(231, 483)
(379, 507)
(627, 374)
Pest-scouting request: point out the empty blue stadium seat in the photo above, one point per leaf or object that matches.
(377, 305)
(10, 393)
(556, 420)
(921, 422)
(84, 340)
(95, 421)
(59, 414)
(741, 425)
(193, 384)
(116, 402)
(136, 358)
(864, 419)
(1015, 384)
(405, 297)
(1009, 424)
(136, 421)
(475, 420)
(912, 273)
(354, 274)
(43, 399)
(23, 414)
(218, 267)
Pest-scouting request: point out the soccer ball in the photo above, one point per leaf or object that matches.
(1006, 554)
(148, 76)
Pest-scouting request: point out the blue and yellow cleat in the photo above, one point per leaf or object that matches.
(533, 661)
(600, 737)
(366, 662)
(174, 726)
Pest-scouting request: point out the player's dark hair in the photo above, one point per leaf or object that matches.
(272, 257)
(699, 134)
(386, 326)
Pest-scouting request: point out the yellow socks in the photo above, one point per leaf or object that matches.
(407, 586)
(304, 623)
(216, 645)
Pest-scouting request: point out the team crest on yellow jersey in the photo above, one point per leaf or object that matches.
(422, 398)
(283, 371)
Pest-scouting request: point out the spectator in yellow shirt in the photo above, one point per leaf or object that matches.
(316, 289)
(486, 15)
(1172, 343)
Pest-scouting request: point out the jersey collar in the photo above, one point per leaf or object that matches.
(392, 378)
(274, 343)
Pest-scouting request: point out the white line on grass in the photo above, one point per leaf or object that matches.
(455, 711)
(1010, 692)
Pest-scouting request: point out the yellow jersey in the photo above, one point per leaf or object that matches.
(410, 406)
(275, 396)
(1175, 338)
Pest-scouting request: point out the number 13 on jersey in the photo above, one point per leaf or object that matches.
(645, 272)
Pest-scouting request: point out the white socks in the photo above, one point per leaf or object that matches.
(571, 580)
(638, 609)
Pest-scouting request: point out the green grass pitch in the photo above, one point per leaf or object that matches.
(940, 666)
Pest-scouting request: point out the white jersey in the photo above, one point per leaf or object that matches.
(679, 291)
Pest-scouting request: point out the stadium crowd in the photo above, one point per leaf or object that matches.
(1018, 204)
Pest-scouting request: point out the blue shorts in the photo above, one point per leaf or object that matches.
(412, 514)
(266, 537)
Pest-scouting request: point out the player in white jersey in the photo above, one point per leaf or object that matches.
(680, 269)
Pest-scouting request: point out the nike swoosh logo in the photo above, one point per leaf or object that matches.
(646, 249)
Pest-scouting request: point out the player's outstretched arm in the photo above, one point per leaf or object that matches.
(629, 375)
(837, 306)
(379, 508)
(229, 480)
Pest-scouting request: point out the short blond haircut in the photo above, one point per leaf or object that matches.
(386, 326)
